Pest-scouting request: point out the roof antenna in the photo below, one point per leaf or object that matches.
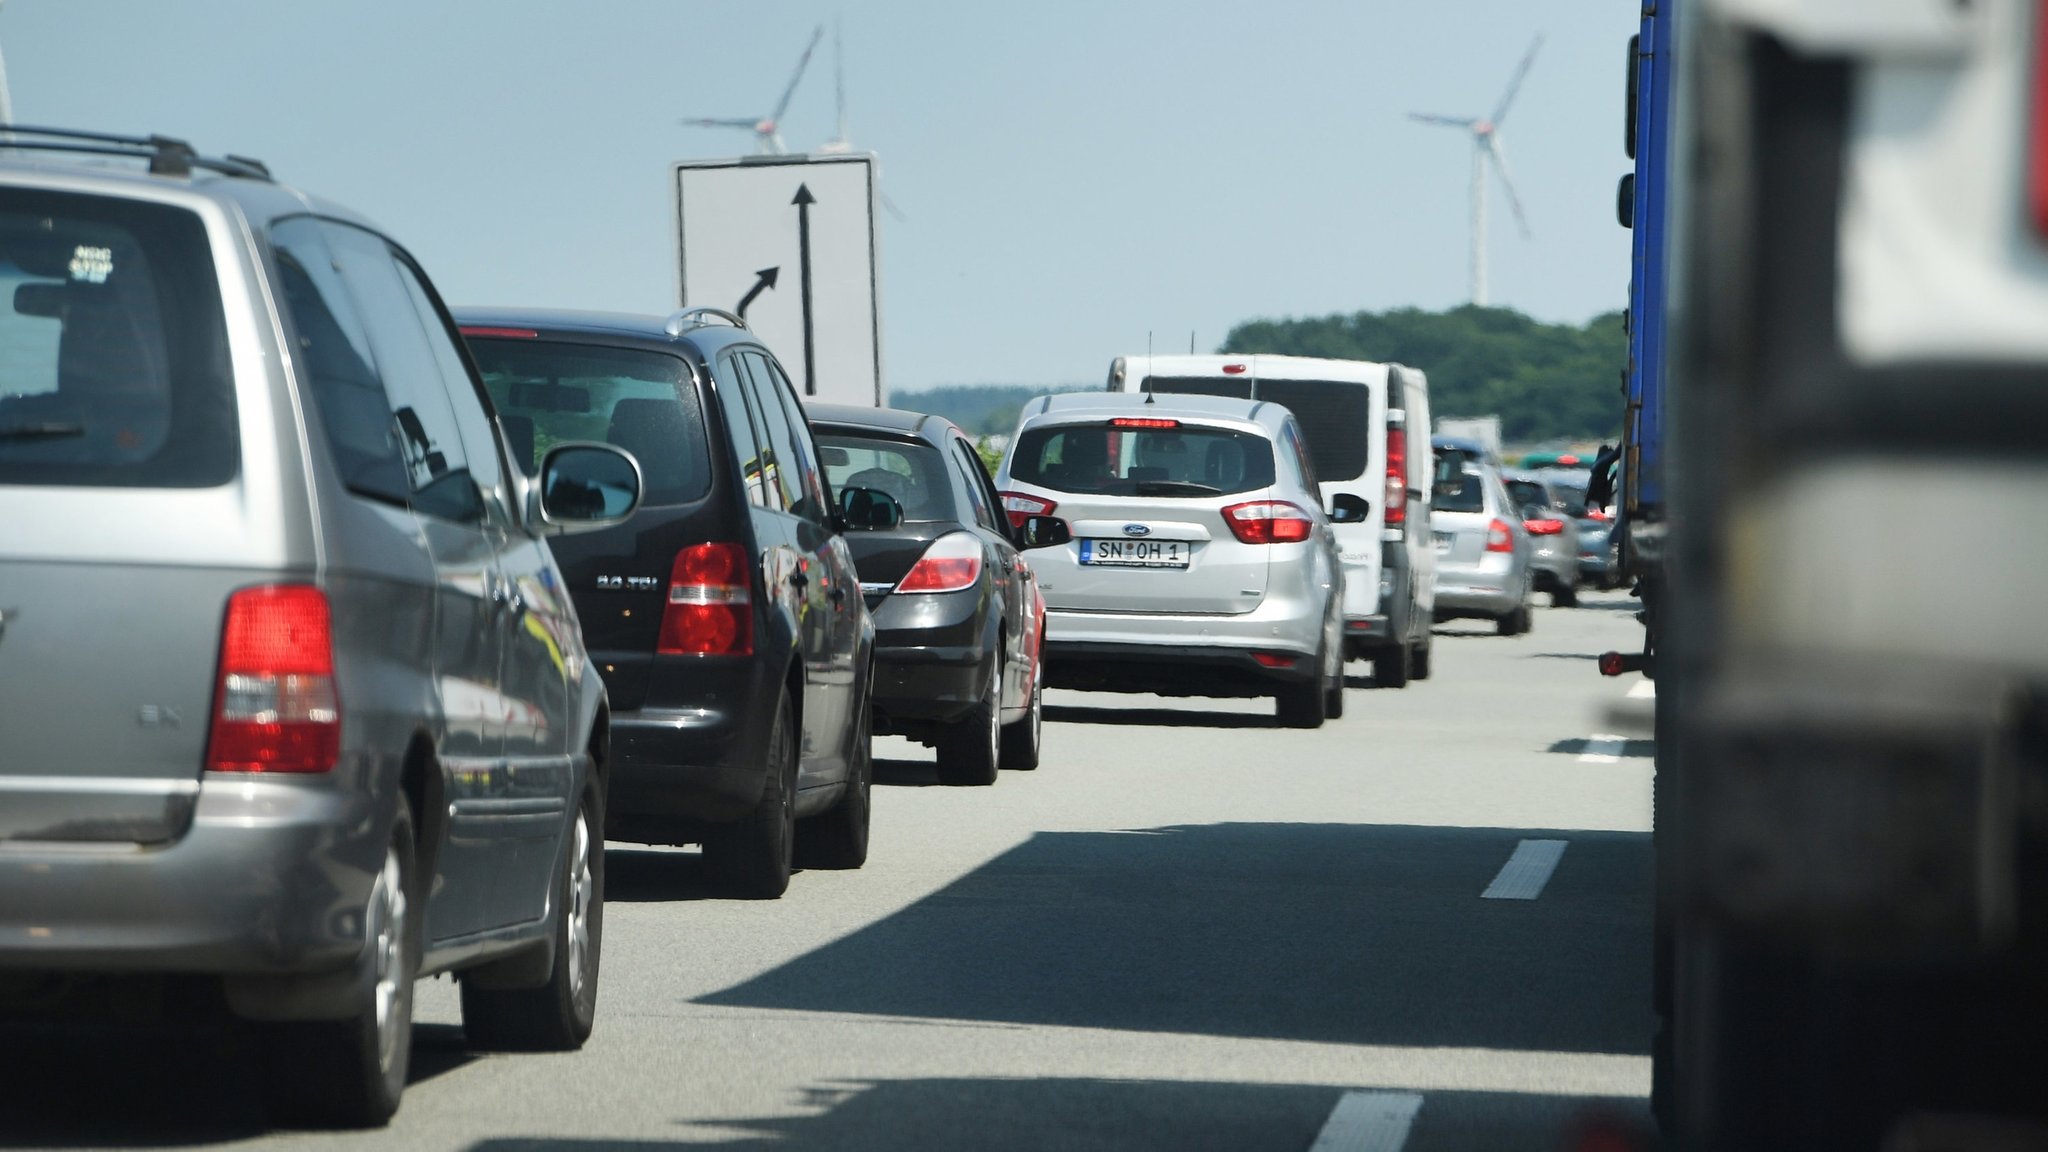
(1191, 341)
(1148, 365)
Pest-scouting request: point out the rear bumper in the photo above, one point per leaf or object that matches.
(699, 757)
(927, 683)
(1206, 670)
(271, 878)
(1492, 587)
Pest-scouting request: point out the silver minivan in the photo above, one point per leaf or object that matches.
(1200, 564)
(291, 693)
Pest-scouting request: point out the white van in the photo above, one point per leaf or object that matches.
(1357, 416)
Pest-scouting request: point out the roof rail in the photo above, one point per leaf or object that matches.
(167, 155)
(688, 318)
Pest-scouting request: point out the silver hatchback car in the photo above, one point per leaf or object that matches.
(1200, 564)
(1483, 553)
(291, 693)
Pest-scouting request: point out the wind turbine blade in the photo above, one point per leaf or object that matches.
(803, 62)
(1446, 121)
(1515, 85)
(890, 205)
(1500, 164)
(839, 80)
(710, 122)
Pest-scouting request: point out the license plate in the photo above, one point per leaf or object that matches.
(1443, 541)
(1135, 553)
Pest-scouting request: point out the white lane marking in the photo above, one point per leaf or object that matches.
(1368, 1122)
(1644, 690)
(1526, 872)
(1603, 749)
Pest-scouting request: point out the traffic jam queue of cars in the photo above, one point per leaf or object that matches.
(457, 596)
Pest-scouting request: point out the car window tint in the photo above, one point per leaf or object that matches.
(812, 499)
(436, 466)
(781, 460)
(1335, 417)
(1528, 494)
(1297, 457)
(472, 419)
(1459, 484)
(332, 357)
(978, 498)
(1198, 386)
(547, 393)
(913, 472)
(742, 423)
(114, 367)
(1096, 458)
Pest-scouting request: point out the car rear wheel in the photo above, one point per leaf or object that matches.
(970, 748)
(1303, 705)
(753, 858)
(558, 1015)
(1418, 662)
(1021, 739)
(1392, 667)
(351, 1073)
(1564, 596)
(838, 839)
(1515, 623)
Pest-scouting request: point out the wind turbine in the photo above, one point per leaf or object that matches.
(839, 145)
(6, 97)
(1487, 149)
(768, 129)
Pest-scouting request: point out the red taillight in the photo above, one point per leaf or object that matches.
(275, 708)
(1543, 527)
(1020, 507)
(1613, 663)
(1599, 514)
(1567, 461)
(1276, 659)
(1233, 369)
(2037, 132)
(1143, 422)
(501, 333)
(1397, 477)
(951, 564)
(1500, 537)
(1268, 522)
(710, 608)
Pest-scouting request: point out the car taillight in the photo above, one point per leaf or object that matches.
(1143, 422)
(2037, 158)
(479, 330)
(275, 707)
(710, 608)
(1500, 537)
(952, 563)
(1397, 477)
(1020, 507)
(1543, 527)
(1276, 659)
(1599, 514)
(1268, 522)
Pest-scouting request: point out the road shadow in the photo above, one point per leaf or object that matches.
(1078, 1114)
(1158, 717)
(908, 773)
(98, 1080)
(1630, 749)
(640, 875)
(1347, 934)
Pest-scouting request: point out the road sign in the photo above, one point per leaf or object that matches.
(789, 242)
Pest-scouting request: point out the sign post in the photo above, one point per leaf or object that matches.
(789, 243)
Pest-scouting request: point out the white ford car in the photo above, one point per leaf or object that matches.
(1201, 562)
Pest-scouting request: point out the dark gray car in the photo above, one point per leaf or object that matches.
(291, 694)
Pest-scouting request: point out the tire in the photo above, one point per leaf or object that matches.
(838, 839)
(1418, 661)
(1023, 738)
(752, 859)
(970, 748)
(558, 1015)
(1392, 667)
(351, 1073)
(1516, 622)
(1333, 695)
(1564, 596)
(1302, 705)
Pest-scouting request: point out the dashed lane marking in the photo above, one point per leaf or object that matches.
(1603, 749)
(1526, 872)
(1368, 1122)
(1644, 690)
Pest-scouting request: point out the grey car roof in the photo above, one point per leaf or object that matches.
(257, 199)
(881, 419)
(1109, 404)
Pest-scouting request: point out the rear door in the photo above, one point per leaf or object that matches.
(129, 514)
(1146, 501)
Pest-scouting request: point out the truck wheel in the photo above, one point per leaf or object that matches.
(752, 859)
(558, 1015)
(351, 1073)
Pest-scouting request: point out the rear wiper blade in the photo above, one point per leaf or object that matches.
(44, 431)
(1175, 488)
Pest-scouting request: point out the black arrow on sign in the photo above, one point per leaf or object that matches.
(766, 281)
(803, 203)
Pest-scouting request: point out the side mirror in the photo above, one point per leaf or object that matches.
(1043, 532)
(585, 486)
(1348, 508)
(1625, 201)
(869, 509)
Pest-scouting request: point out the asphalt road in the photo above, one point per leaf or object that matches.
(1190, 929)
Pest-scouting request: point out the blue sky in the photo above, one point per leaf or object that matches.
(1075, 173)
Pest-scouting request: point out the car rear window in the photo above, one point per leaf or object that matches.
(548, 392)
(1184, 461)
(1460, 482)
(914, 473)
(1529, 494)
(1334, 414)
(114, 367)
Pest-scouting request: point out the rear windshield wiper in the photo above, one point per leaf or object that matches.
(45, 431)
(1175, 488)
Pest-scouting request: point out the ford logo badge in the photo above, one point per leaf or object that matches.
(1136, 530)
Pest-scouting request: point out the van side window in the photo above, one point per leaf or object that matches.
(740, 424)
(814, 499)
(783, 461)
(472, 420)
(969, 468)
(1298, 457)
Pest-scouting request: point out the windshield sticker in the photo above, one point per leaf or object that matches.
(92, 265)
